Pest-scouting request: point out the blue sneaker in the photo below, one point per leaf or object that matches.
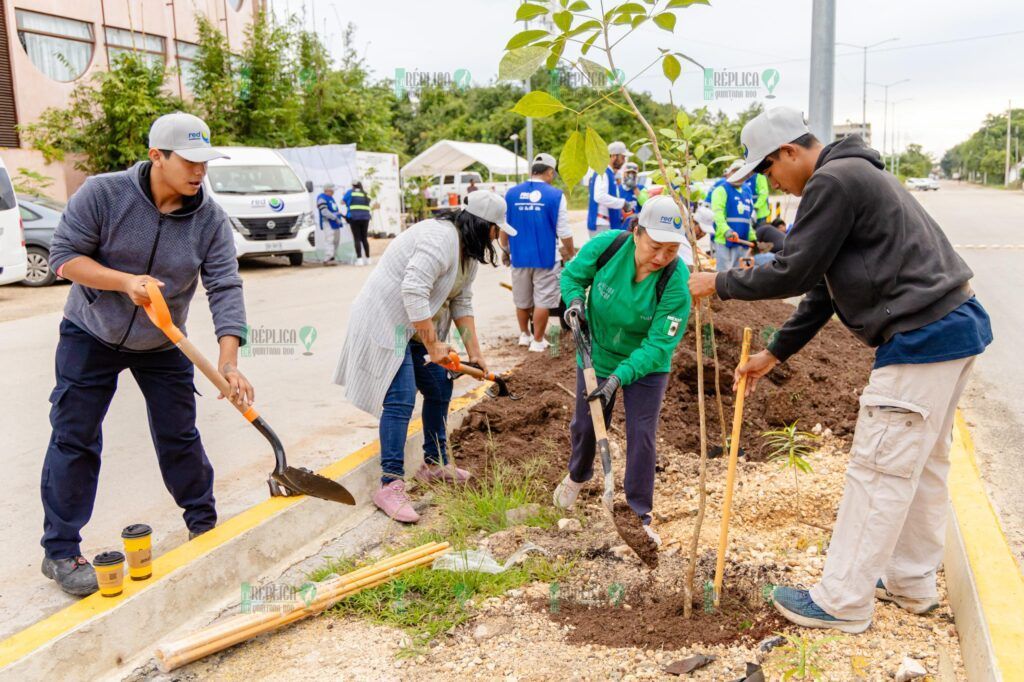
(918, 607)
(798, 607)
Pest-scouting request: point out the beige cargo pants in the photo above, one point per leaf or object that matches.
(892, 518)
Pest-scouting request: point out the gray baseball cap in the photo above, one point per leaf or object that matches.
(184, 134)
(492, 208)
(618, 147)
(764, 134)
(545, 160)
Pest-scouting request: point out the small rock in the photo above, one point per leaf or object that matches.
(570, 525)
(816, 430)
(910, 670)
(621, 551)
(489, 628)
(812, 550)
(521, 514)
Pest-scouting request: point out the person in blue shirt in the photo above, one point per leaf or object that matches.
(357, 203)
(604, 210)
(540, 215)
(632, 191)
(330, 219)
(733, 208)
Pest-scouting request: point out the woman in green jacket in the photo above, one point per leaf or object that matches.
(636, 312)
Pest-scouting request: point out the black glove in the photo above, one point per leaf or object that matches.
(630, 207)
(576, 309)
(606, 391)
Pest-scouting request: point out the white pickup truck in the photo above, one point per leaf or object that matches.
(443, 187)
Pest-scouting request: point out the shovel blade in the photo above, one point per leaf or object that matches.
(305, 482)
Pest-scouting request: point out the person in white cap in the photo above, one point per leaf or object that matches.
(604, 210)
(862, 248)
(330, 219)
(540, 215)
(636, 314)
(397, 337)
(733, 208)
(152, 223)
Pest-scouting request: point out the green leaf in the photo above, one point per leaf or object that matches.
(666, 20)
(699, 173)
(668, 132)
(638, 19)
(596, 151)
(524, 38)
(585, 26)
(676, 4)
(537, 104)
(589, 43)
(556, 53)
(623, 19)
(630, 8)
(563, 20)
(579, 6)
(699, 151)
(595, 72)
(671, 68)
(682, 120)
(529, 11)
(518, 65)
(572, 162)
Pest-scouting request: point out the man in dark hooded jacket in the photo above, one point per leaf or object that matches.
(865, 250)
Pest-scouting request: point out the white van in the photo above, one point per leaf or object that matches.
(267, 203)
(13, 257)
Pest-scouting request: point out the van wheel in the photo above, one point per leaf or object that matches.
(38, 273)
(295, 259)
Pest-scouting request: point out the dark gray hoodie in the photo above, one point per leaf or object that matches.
(860, 247)
(112, 220)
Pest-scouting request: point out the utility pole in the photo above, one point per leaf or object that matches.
(823, 68)
(864, 87)
(885, 120)
(1009, 117)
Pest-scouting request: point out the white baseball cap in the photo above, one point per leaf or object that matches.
(765, 133)
(618, 147)
(492, 208)
(661, 217)
(184, 134)
(630, 166)
(545, 160)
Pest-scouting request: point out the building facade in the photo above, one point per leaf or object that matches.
(841, 130)
(49, 47)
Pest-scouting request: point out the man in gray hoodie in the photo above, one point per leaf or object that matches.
(151, 223)
(863, 249)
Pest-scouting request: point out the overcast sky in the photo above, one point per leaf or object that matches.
(951, 87)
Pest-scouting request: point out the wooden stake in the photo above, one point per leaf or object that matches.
(730, 478)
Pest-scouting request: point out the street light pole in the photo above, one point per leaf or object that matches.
(885, 120)
(823, 67)
(515, 144)
(864, 90)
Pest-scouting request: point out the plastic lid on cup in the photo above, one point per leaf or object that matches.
(136, 530)
(108, 559)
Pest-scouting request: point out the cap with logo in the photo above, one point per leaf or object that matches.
(543, 159)
(765, 133)
(618, 147)
(492, 208)
(186, 135)
(662, 219)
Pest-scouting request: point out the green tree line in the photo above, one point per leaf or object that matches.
(982, 156)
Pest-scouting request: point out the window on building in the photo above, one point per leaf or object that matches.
(235, 4)
(60, 48)
(186, 55)
(151, 48)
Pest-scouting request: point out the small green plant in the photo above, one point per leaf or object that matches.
(791, 448)
(803, 656)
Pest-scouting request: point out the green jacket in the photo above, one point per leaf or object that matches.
(631, 334)
(761, 209)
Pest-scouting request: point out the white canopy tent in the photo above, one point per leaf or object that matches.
(451, 156)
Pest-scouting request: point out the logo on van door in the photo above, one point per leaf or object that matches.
(276, 205)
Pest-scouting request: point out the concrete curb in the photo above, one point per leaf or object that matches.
(193, 582)
(984, 583)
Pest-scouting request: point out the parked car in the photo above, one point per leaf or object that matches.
(12, 234)
(443, 187)
(40, 216)
(922, 184)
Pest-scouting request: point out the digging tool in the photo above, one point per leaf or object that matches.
(284, 480)
(582, 341)
(730, 477)
(455, 364)
(744, 242)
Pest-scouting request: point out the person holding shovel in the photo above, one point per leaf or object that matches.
(397, 337)
(120, 231)
(636, 313)
(862, 248)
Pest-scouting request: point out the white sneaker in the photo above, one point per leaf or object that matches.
(361, 262)
(567, 492)
(539, 346)
(653, 535)
(525, 338)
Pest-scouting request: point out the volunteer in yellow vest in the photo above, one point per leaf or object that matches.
(358, 204)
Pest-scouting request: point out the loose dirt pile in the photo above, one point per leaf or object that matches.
(632, 532)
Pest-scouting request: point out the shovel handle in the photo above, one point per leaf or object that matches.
(454, 363)
(160, 315)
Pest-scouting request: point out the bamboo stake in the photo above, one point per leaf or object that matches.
(730, 478)
(219, 637)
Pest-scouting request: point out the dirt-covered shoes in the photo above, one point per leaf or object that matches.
(75, 575)
(653, 535)
(392, 500)
(525, 338)
(567, 492)
(798, 607)
(916, 606)
(429, 473)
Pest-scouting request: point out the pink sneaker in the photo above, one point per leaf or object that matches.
(392, 500)
(429, 473)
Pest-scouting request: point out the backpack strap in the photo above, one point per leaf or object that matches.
(663, 279)
(612, 249)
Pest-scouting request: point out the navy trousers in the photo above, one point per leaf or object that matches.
(643, 407)
(87, 372)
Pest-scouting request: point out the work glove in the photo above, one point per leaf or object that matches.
(575, 309)
(630, 207)
(730, 235)
(606, 391)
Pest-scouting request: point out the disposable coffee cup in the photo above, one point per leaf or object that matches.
(138, 547)
(109, 573)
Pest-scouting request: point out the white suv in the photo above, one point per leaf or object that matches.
(13, 258)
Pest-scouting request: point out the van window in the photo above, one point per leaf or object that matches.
(254, 180)
(7, 199)
(466, 178)
(449, 180)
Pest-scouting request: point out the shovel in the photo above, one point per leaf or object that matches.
(456, 365)
(284, 481)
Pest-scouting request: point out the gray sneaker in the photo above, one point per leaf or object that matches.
(76, 576)
(916, 606)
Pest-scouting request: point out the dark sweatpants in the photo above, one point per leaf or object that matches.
(360, 229)
(87, 372)
(643, 407)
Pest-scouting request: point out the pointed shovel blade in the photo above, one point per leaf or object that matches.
(306, 482)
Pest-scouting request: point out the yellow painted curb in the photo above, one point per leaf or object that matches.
(997, 579)
(38, 634)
